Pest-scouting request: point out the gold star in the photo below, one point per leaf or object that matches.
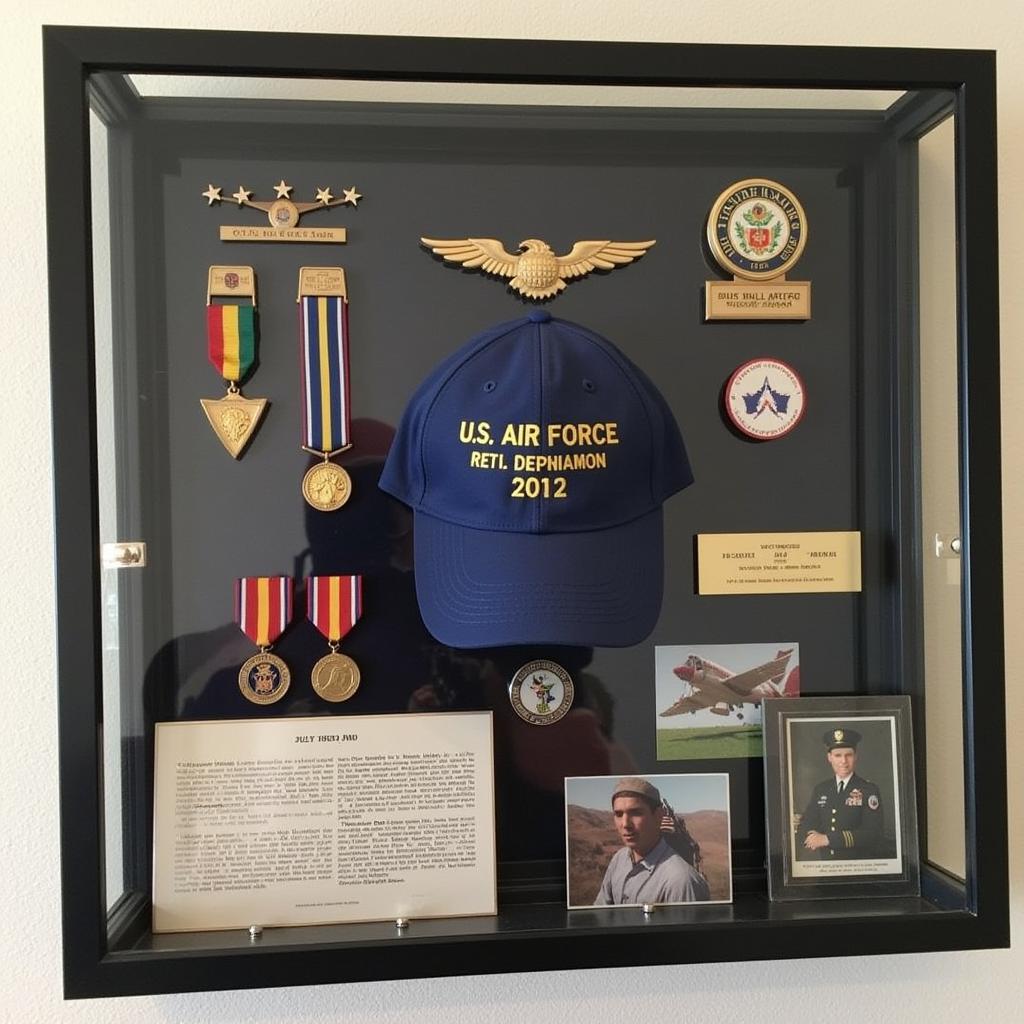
(242, 195)
(351, 195)
(323, 195)
(212, 194)
(282, 189)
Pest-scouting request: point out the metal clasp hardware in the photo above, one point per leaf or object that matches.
(231, 281)
(947, 549)
(129, 554)
(322, 281)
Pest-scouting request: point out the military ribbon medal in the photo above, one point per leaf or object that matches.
(263, 610)
(231, 347)
(334, 605)
(231, 335)
(323, 333)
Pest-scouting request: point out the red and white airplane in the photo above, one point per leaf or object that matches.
(714, 688)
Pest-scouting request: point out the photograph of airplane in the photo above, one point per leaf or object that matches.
(709, 696)
(721, 691)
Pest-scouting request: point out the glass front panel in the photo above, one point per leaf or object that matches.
(106, 432)
(512, 163)
(940, 501)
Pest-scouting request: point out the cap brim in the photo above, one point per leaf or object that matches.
(489, 588)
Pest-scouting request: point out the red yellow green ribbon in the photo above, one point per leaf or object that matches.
(231, 339)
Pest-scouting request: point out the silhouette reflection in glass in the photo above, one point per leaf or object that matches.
(195, 676)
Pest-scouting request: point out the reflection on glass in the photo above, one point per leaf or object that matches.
(333, 90)
(940, 508)
(105, 434)
(171, 648)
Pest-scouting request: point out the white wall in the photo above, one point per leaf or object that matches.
(937, 987)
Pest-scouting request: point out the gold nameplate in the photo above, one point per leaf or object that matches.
(757, 300)
(248, 233)
(234, 419)
(778, 563)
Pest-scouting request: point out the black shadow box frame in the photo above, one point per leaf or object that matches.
(115, 954)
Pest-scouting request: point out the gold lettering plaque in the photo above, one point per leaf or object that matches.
(778, 563)
(243, 233)
(757, 300)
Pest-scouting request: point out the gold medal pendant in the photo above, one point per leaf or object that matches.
(323, 347)
(334, 605)
(231, 331)
(326, 486)
(263, 610)
(335, 677)
(264, 678)
(234, 418)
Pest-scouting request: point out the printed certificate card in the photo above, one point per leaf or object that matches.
(293, 821)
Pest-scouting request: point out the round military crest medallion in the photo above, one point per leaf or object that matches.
(264, 678)
(757, 229)
(541, 692)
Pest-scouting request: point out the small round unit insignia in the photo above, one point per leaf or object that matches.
(757, 229)
(283, 214)
(264, 678)
(541, 692)
(764, 399)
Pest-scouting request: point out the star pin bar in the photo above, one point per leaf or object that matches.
(283, 213)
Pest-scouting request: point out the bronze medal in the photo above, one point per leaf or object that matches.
(264, 678)
(335, 677)
(326, 486)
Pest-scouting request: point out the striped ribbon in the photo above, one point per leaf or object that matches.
(325, 394)
(231, 339)
(334, 604)
(263, 607)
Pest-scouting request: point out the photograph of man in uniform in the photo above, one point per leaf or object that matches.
(845, 812)
(646, 869)
(843, 818)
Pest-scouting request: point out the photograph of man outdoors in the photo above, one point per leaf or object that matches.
(850, 814)
(656, 839)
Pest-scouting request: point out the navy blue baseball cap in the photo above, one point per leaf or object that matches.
(536, 459)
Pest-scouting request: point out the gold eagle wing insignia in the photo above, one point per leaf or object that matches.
(535, 271)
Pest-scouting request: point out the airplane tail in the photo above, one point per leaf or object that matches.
(776, 679)
(791, 687)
